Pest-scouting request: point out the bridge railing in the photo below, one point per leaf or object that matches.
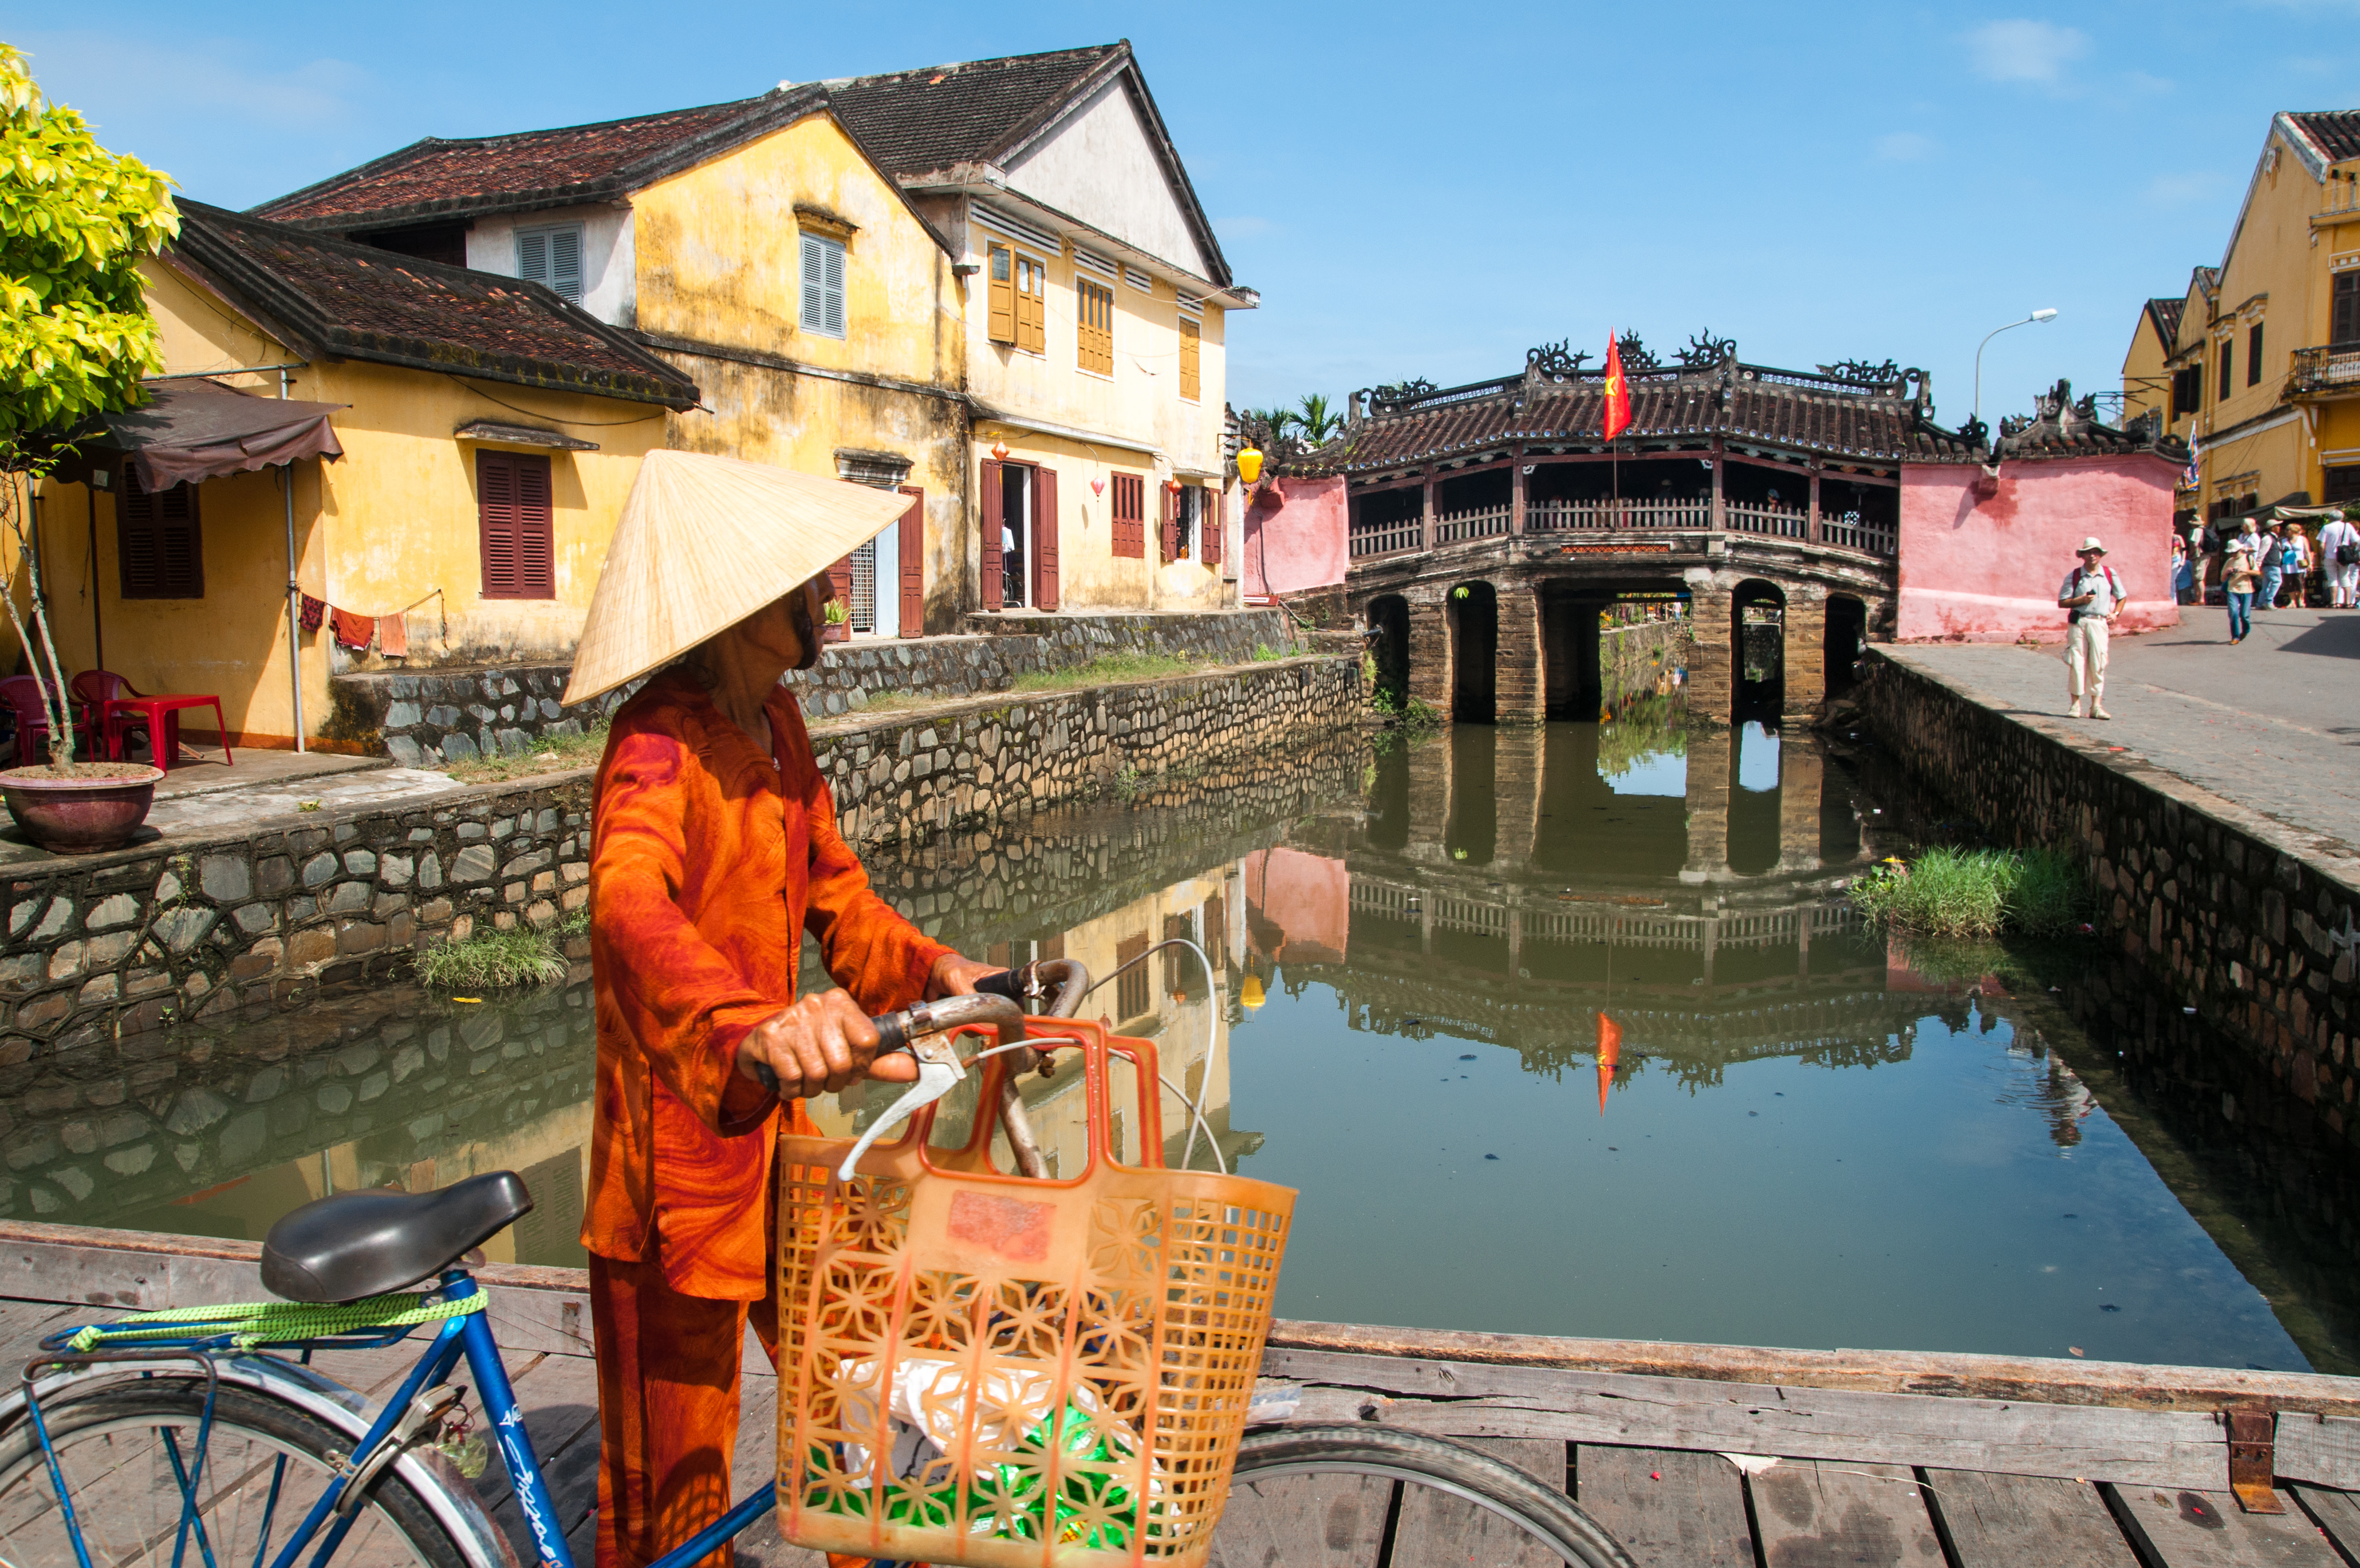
(1555, 516)
(1850, 531)
(1776, 523)
(1392, 538)
(1847, 530)
(1480, 522)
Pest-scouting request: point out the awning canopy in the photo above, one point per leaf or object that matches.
(188, 431)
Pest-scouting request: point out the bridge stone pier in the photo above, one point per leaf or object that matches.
(1491, 523)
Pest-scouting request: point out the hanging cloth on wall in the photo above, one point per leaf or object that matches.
(313, 611)
(393, 636)
(352, 631)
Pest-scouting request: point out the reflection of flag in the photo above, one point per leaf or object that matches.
(1618, 392)
(1610, 1051)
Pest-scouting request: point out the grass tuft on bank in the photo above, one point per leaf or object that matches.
(501, 961)
(1977, 893)
(1106, 668)
(548, 754)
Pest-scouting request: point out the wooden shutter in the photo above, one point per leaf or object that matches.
(532, 257)
(1133, 993)
(1031, 312)
(1128, 537)
(514, 526)
(832, 315)
(912, 535)
(993, 520)
(2343, 313)
(1211, 527)
(1093, 327)
(2254, 356)
(1001, 268)
(158, 549)
(565, 262)
(1192, 336)
(2228, 358)
(1171, 529)
(1044, 539)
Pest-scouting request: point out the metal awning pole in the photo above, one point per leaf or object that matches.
(294, 595)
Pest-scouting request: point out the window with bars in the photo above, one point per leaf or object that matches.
(513, 522)
(1128, 537)
(551, 256)
(861, 602)
(1192, 336)
(823, 268)
(1094, 317)
(158, 545)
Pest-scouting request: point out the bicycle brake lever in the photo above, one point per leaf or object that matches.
(939, 1072)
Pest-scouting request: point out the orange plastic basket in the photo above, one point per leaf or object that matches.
(976, 1368)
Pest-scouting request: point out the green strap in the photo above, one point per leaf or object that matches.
(251, 1324)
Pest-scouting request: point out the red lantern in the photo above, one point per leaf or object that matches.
(1000, 452)
(1171, 484)
(1097, 486)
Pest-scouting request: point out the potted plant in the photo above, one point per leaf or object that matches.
(75, 338)
(837, 623)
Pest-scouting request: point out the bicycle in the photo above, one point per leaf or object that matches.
(181, 1437)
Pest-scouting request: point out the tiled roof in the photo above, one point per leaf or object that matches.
(331, 297)
(935, 117)
(575, 163)
(2337, 131)
(2060, 427)
(2166, 314)
(1736, 402)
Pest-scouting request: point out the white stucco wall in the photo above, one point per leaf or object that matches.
(1100, 166)
(608, 267)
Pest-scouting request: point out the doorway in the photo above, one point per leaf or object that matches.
(1474, 612)
(1015, 535)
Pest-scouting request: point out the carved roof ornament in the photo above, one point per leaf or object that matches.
(1397, 393)
(1705, 352)
(1637, 357)
(1560, 360)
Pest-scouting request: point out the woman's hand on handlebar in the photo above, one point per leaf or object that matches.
(955, 975)
(821, 1045)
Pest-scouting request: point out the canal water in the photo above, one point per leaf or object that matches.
(1563, 1031)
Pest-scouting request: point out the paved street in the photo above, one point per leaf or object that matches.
(2273, 724)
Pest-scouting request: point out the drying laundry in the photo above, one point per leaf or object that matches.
(313, 610)
(393, 636)
(351, 630)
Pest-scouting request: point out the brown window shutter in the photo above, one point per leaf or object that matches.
(1211, 525)
(1044, 539)
(1191, 374)
(1171, 529)
(1001, 268)
(912, 535)
(536, 543)
(496, 520)
(158, 551)
(992, 521)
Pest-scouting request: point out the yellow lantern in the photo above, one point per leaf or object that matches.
(1248, 464)
(1251, 992)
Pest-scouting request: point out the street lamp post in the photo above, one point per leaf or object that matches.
(2039, 315)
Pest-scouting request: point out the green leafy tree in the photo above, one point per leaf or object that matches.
(1315, 421)
(1275, 419)
(75, 335)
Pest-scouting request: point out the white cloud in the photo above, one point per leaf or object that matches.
(2025, 50)
(1903, 147)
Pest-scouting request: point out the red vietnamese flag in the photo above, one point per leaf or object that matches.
(1618, 392)
(1610, 1033)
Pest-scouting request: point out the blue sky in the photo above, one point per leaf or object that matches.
(1422, 190)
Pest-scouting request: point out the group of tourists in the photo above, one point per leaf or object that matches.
(2277, 565)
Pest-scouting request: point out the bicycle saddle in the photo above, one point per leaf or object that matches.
(351, 1244)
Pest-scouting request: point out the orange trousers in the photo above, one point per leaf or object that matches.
(667, 1374)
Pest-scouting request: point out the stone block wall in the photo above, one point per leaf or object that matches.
(2235, 942)
(435, 716)
(103, 946)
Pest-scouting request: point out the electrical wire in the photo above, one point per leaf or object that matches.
(536, 413)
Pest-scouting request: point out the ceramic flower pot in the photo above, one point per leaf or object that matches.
(79, 816)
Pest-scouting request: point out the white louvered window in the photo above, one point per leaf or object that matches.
(551, 256)
(823, 265)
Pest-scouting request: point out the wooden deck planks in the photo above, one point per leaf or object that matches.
(1815, 1514)
(2207, 1529)
(1435, 1528)
(1303, 1521)
(1999, 1521)
(2337, 1514)
(1669, 1508)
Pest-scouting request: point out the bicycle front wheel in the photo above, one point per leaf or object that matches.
(123, 1447)
(1388, 1498)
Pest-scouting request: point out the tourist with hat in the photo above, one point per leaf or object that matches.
(714, 849)
(2092, 598)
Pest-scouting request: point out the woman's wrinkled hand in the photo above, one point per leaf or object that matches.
(821, 1045)
(955, 975)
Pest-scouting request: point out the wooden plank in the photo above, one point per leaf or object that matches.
(2126, 1385)
(2337, 1514)
(2000, 1521)
(24, 1324)
(1436, 1528)
(1303, 1521)
(2193, 1529)
(1822, 1515)
(2321, 1449)
(1669, 1508)
(2150, 1447)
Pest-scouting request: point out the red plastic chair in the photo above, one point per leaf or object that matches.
(21, 695)
(93, 690)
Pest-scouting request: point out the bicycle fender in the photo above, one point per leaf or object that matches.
(447, 1496)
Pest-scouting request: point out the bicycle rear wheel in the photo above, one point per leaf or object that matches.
(1370, 1494)
(265, 1464)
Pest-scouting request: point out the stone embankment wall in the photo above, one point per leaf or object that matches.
(2241, 940)
(1635, 660)
(102, 945)
(437, 715)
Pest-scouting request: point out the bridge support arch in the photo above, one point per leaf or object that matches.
(1389, 637)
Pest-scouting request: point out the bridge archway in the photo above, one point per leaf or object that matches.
(1757, 641)
(1847, 635)
(1389, 646)
(1473, 612)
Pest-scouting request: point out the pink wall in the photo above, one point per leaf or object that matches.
(1985, 568)
(1298, 906)
(1301, 543)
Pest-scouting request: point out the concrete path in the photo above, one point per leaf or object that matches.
(248, 804)
(2272, 724)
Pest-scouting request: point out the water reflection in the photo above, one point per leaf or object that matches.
(1559, 1030)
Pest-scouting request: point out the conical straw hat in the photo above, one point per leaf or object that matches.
(703, 542)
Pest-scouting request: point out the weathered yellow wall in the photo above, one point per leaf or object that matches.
(1089, 576)
(719, 263)
(2147, 384)
(393, 519)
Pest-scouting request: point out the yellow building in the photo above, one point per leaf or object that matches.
(1096, 324)
(757, 248)
(459, 498)
(2258, 365)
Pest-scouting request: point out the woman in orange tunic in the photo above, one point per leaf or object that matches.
(715, 848)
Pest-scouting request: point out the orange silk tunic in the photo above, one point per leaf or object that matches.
(707, 863)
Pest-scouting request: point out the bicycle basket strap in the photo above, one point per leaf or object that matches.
(250, 1323)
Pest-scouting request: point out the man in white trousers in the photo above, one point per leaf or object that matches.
(2092, 598)
(2338, 539)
